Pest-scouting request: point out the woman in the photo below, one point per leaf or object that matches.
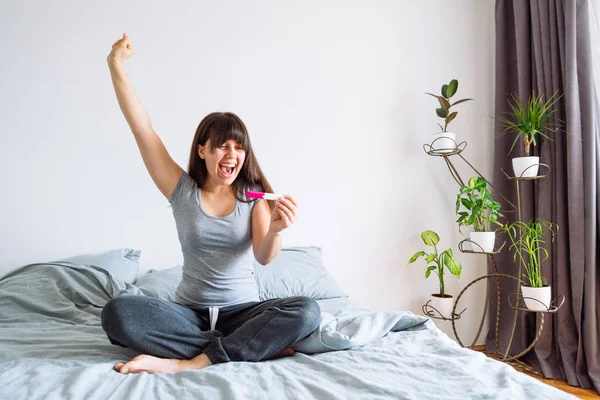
(217, 316)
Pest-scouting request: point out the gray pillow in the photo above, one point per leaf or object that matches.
(296, 271)
(161, 284)
(123, 264)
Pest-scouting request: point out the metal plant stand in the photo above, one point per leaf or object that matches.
(516, 299)
(433, 312)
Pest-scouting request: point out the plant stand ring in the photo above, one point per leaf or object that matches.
(505, 356)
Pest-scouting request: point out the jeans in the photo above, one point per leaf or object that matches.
(244, 332)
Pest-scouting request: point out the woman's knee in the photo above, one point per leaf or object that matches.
(117, 312)
(109, 314)
(310, 313)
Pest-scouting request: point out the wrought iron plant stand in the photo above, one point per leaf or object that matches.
(515, 300)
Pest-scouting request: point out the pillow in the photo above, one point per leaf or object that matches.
(296, 271)
(161, 283)
(123, 264)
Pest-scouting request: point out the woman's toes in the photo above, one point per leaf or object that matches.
(289, 352)
(120, 367)
(285, 353)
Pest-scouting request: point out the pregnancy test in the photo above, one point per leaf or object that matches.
(266, 196)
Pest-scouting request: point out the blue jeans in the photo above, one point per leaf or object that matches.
(244, 332)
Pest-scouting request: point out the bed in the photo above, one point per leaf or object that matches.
(53, 345)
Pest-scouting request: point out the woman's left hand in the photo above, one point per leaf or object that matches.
(284, 213)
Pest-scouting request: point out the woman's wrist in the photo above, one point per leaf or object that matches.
(113, 62)
(273, 234)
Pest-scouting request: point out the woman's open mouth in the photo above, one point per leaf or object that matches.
(227, 169)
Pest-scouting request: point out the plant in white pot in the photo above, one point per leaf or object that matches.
(528, 120)
(444, 141)
(481, 211)
(441, 301)
(528, 239)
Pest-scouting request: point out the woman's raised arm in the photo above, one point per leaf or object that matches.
(164, 171)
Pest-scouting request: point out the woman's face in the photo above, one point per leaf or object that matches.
(224, 162)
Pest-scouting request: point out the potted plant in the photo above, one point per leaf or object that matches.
(481, 211)
(445, 141)
(441, 301)
(528, 238)
(529, 120)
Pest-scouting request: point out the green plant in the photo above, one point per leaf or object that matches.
(528, 238)
(448, 91)
(482, 210)
(530, 119)
(445, 258)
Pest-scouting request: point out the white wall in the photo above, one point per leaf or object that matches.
(331, 91)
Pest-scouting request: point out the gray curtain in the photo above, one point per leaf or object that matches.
(544, 46)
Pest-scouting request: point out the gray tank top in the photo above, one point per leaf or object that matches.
(217, 251)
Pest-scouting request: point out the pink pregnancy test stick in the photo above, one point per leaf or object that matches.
(266, 196)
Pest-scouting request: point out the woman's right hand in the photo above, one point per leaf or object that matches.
(122, 49)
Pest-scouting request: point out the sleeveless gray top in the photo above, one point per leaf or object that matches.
(217, 251)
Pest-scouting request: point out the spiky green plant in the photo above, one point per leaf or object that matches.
(528, 238)
(445, 258)
(530, 119)
(448, 91)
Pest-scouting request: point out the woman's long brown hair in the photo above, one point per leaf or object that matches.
(219, 127)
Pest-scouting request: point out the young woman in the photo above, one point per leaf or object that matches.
(217, 316)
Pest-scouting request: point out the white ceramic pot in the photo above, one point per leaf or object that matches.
(443, 304)
(485, 241)
(521, 166)
(542, 296)
(444, 142)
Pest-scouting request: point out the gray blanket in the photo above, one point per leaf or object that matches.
(53, 347)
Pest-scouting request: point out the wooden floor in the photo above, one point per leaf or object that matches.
(557, 383)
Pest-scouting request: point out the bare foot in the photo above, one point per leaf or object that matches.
(150, 364)
(286, 353)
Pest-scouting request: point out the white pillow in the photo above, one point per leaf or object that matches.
(123, 264)
(296, 271)
(161, 284)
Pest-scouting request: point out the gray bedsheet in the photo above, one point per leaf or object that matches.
(53, 347)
